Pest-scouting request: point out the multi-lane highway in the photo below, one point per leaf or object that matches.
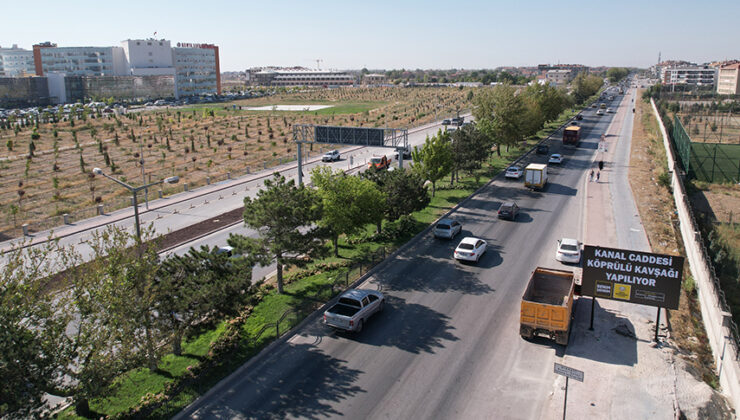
(447, 344)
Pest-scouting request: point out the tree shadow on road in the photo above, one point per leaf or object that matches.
(407, 326)
(316, 382)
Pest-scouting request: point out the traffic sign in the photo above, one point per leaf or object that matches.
(569, 372)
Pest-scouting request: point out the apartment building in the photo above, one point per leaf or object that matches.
(689, 75)
(559, 76)
(728, 79)
(148, 57)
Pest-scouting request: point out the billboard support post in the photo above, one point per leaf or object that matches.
(593, 306)
(657, 325)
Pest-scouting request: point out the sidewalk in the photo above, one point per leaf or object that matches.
(626, 374)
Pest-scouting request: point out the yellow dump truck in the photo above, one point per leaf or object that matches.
(547, 305)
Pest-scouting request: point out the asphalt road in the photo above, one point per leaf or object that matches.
(447, 345)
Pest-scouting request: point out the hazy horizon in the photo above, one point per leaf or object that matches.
(431, 35)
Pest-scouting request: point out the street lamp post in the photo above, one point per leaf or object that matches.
(134, 191)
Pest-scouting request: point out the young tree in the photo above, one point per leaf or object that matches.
(34, 348)
(349, 202)
(286, 216)
(434, 160)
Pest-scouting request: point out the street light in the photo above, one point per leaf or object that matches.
(135, 190)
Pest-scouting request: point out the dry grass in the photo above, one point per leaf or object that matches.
(657, 212)
(194, 143)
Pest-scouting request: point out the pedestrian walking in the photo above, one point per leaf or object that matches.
(598, 174)
(591, 176)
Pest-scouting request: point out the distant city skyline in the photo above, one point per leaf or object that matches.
(394, 35)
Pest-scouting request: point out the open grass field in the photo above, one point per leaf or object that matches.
(196, 143)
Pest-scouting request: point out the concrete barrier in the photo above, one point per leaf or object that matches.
(716, 322)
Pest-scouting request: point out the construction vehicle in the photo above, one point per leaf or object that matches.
(572, 136)
(547, 305)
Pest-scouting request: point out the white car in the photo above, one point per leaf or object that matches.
(600, 112)
(330, 156)
(470, 249)
(447, 228)
(555, 158)
(569, 251)
(513, 172)
(609, 110)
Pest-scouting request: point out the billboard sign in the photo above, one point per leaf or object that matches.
(349, 135)
(632, 276)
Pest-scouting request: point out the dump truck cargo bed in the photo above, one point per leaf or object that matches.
(547, 304)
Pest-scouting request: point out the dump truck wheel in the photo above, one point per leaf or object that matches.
(562, 337)
(526, 332)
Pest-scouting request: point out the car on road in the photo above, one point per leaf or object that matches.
(555, 158)
(609, 110)
(593, 105)
(600, 112)
(470, 249)
(406, 154)
(508, 210)
(568, 251)
(602, 106)
(447, 228)
(330, 156)
(579, 117)
(542, 149)
(379, 162)
(458, 121)
(446, 122)
(353, 309)
(513, 172)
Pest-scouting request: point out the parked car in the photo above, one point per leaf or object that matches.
(542, 149)
(513, 172)
(353, 309)
(446, 122)
(447, 228)
(470, 249)
(569, 250)
(508, 210)
(555, 158)
(330, 156)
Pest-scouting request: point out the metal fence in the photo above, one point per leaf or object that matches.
(268, 333)
(708, 162)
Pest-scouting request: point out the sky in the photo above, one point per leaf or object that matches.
(383, 34)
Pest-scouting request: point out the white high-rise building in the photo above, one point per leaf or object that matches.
(15, 62)
(148, 57)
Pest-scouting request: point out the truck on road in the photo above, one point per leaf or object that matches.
(547, 305)
(535, 175)
(572, 136)
(353, 309)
